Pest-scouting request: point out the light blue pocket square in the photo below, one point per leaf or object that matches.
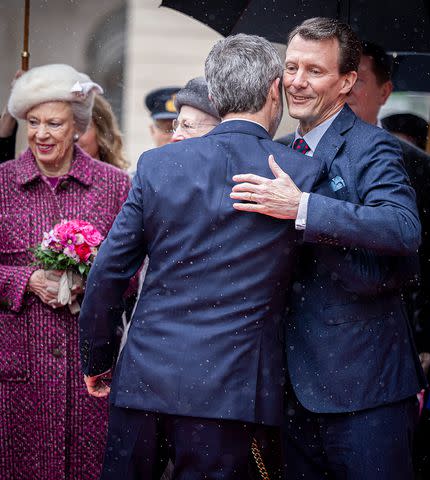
(337, 183)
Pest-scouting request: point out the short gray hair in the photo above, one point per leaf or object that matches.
(239, 71)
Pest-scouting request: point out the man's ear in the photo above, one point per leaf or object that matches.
(386, 90)
(349, 80)
(275, 90)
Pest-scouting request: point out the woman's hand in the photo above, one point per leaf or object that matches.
(45, 284)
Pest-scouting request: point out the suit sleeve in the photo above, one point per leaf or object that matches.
(120, 256)
(386, 221)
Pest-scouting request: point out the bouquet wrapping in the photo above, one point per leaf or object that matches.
(71, 246)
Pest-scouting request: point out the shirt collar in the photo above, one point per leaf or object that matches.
(80, 170)
(313, 137)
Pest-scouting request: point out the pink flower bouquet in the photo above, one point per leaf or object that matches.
(70, 246)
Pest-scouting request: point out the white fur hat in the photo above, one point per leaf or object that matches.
(50, 83)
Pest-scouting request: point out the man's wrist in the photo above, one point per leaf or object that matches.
(302, 212)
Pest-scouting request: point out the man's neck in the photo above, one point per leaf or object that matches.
(258, 117)
(306, 127)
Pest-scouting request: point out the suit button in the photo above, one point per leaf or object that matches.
(64, 184)
(57, 353)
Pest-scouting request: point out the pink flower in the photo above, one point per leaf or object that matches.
(68, 230)
(91, 235)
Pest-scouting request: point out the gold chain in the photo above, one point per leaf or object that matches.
(259, 460)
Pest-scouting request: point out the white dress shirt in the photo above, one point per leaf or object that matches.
(312, 139)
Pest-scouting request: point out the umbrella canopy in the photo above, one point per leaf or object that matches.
(411, 72)
(397, 26)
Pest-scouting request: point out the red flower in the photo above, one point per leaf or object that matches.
(84, 251)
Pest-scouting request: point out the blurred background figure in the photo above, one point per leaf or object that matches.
(161, 104)
(50, 427)
(197, 115)
(103, 138)
(369, 94)
(8, 129)
(409, 127)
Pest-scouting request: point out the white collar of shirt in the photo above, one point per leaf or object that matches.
(313, 137)
(243, 120)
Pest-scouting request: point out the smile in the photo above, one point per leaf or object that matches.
(43, 148)
(299, 98)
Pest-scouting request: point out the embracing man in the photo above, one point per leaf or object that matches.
(202, 368)
(353, 369)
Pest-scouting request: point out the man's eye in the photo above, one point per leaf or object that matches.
(187, 125)
(290, 68)
(32, 123)
(315, 71)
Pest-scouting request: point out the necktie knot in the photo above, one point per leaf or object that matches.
(300, 145)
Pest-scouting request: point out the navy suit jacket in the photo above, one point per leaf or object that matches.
(206, 336)
(349, 344)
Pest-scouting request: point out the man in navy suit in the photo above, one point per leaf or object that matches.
(353, 369)
(202, 368)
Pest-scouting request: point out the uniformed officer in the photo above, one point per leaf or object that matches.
(161, 104)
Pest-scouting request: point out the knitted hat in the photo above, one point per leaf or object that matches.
(195, 94)
(50, 83)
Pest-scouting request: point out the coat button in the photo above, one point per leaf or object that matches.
(64, 184)
(57, 353)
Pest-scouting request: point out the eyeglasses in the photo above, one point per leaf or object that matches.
(188, 126)
(163, 129)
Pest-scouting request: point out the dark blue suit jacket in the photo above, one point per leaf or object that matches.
(349, 344)
(206, 336)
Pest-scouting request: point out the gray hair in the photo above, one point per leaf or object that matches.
(239, 71)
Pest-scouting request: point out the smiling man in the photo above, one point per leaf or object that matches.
(353, 370)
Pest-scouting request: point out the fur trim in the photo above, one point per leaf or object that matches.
(50, 83)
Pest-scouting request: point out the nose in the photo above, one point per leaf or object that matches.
(300, 79)
(177, 136)
(42, 131)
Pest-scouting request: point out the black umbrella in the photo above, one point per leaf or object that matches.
(399, 25)
(411, 72)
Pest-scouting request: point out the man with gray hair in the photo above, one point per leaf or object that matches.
(202, 365)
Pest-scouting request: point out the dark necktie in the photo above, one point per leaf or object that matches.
(300, 145)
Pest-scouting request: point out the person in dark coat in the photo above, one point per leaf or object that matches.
(353, 369)
(203, 362)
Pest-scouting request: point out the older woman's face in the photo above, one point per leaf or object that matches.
(50, 130)
(192, 122)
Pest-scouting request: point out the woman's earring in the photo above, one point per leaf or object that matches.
(75, 137)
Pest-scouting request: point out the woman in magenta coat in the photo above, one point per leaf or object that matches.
(50, 428)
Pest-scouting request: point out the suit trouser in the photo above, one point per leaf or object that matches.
(373, 444)
(140, 443)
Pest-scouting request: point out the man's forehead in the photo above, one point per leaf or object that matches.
(303, 47)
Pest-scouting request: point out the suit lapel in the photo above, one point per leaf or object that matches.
(332, 141)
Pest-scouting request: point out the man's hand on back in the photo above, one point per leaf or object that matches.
(277, 198)
(97, 386)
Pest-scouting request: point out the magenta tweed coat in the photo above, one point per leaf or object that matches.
(50, 428)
